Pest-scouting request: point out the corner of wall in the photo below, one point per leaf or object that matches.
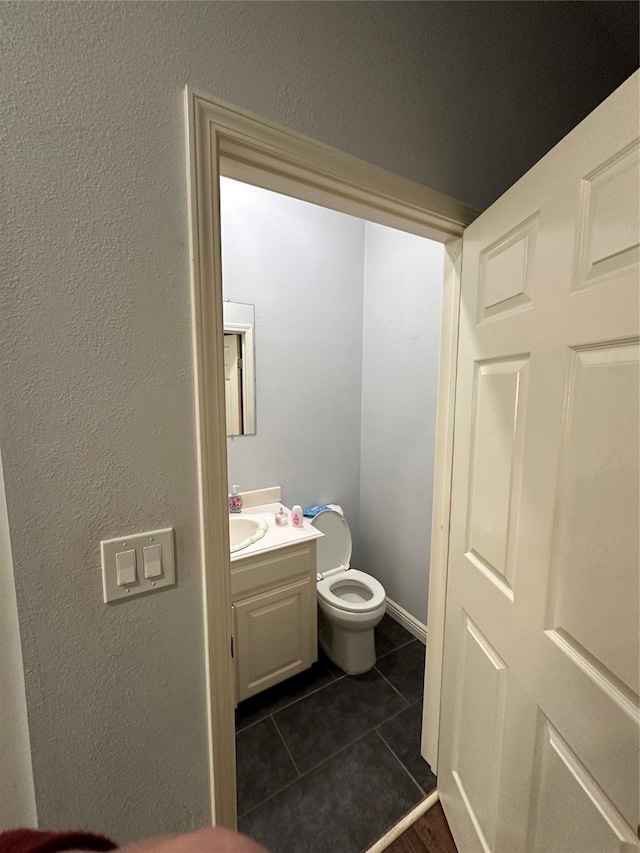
(17, 795)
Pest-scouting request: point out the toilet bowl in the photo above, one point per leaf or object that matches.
(350, 602)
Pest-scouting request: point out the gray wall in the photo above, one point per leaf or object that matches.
(401, 339)
(97, 427)
(302, 267)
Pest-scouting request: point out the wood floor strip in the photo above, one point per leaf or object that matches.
(429, 834)
(409, 819)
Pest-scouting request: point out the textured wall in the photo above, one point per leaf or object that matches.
(401, 340)
(302, 267)
(97, 427)
(98, 434)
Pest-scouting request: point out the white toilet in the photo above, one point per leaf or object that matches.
(350, 603)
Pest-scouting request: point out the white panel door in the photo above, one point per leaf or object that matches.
(539, 716)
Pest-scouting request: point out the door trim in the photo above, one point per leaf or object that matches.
(17, 790)
(225, 140)
(442, 473)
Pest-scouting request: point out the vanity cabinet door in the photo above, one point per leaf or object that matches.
(275, 636)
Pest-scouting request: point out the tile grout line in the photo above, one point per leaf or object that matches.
(400, 762)
(297, 769)
(401, 695)
(311, 769)
(318, 690)
(397, 649)
(247, 814)
(401, 711)
(334, 679)
(301, 775)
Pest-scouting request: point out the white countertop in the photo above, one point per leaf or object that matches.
(275, 537)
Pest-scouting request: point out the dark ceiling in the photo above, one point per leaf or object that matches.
(621, 22)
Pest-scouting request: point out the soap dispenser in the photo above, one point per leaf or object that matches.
(235, 500)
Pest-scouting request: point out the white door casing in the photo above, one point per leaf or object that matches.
(539, 716)
(225, 140)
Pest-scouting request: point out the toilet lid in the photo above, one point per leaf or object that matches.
(334, 548)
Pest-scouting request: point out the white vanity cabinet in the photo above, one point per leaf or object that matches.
(273, 597)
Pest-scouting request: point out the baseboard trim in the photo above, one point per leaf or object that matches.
(404, 824)
(413, 625)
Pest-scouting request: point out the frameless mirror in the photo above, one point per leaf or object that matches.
(239, 368)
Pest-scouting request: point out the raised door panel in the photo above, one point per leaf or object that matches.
(571, 813)
(591, 623)
(479, 728)
(506, 272)
(275, 636)
(494, 479)
(594, 588)
(608, 242)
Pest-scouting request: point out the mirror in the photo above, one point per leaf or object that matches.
(239, 368)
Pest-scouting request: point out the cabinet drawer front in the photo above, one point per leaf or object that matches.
(275, 636)
(277, 567)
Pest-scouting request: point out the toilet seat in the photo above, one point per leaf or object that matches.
(352, 577)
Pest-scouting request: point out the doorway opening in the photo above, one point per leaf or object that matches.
(228, 142)
(347, 338)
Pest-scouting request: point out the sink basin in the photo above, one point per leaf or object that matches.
(245, 531)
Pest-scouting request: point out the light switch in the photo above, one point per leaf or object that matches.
(126, 567)
(138, 564)
(152, 558)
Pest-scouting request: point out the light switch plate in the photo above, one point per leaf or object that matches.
(110, 547)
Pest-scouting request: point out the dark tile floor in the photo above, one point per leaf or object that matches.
(328, 762)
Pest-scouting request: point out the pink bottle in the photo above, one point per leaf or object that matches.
(296, 516)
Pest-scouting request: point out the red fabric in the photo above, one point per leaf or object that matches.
(34, 841)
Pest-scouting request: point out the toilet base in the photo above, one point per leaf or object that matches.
(352, 651)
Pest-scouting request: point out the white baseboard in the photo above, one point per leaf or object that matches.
(404, 824)
(413, 625)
